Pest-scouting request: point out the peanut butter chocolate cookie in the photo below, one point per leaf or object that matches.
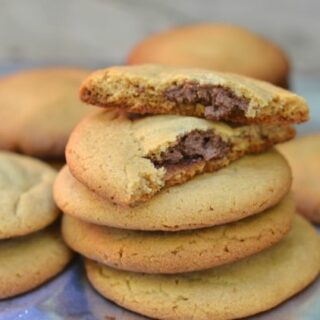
(128, 160)
(38, 110)
(193, 92)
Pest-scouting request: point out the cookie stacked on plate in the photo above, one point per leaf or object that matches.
(176, 198)
(31, 251)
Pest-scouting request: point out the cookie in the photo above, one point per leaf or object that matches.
(177, 252)
(192, 92)
(218, 47)
(29, 261)
(26, 200)
(248, 186)
(128, 160)
(235, 290)
(39, 108)
(303, 155)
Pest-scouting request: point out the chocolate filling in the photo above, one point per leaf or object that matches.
(193, 147)
(220, 103)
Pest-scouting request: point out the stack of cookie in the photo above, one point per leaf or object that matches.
(175, 197)
(31, 251)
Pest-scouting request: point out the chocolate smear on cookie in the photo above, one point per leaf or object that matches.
(193, 147)
(220, 103)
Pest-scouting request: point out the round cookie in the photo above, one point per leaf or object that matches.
(303, 155)
(26, 200)
(235, 290)
(29, 261)
(212, 95)
(177, 252)
(218, 47)
(247, 186)
(129, 159)
(39, 108)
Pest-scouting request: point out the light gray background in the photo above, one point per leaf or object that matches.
(101, 32)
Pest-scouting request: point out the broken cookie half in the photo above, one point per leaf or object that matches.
(128, 159)
(156, 89)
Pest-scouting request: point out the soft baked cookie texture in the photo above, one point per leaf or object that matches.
(177, 252)
(303, 155)
(246, 187)
(30, 251)
(38, 110)
(129, 159)
(218, 47)
(29, 261)
(26, 202)
(193, 92)
(232, 291)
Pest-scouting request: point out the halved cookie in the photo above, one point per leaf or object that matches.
(29, 261)
(248, 186)
(232, 291)
(183, 251)
(128, 160)
(193, 92)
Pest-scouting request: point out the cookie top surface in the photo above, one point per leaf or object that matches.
(29, 261)
(235, 290)
(26, 195)
(217, 47)
(247, 186)
(129, 160)
(303, 155)
(195, 92)
(38, 109)
(177, 252)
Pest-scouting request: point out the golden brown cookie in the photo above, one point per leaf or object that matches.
(176, 252)
(26, 203)
(129, 160)
(303, 155)
(235, 290)
(218, 47)
(29, 261)
(248, 186)
(38, 110)
(193, 92)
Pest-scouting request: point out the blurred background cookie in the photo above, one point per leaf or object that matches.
(303, 155)
(38, 110)
(218, 47)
